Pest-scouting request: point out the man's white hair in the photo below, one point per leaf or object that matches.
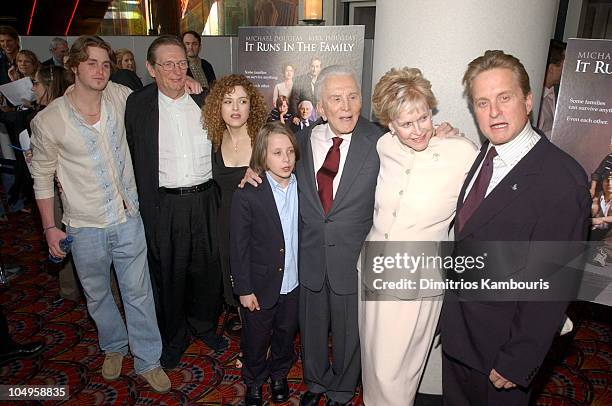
(334, 70)
(57, 41)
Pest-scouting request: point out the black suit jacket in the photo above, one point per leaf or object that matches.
(5, 65)
(209, 72)
(296, 128)
(544, 198)
(49, 61)
(257, 244)
(127, 78)
(142, 132)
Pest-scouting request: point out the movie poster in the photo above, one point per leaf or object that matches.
(583, 117)
(284, 62)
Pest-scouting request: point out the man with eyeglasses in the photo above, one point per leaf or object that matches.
(172, 164)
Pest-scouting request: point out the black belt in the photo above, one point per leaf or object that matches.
(187, 190)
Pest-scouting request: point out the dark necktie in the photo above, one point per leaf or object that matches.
(478, 191)
(325, 175)
(304, 124)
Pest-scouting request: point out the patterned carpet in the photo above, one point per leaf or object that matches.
(577, 371)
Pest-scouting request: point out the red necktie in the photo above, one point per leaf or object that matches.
(478, 191)
(325, 175)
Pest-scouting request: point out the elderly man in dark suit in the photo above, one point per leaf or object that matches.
(303, 114)
(521, 188)
(171, 154)
(59, 49)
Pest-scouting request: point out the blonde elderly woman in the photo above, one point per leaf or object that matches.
(418, 184)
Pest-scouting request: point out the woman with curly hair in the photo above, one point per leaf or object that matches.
(233, 113)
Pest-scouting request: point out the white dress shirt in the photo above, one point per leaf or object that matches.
(184, 147)
(508, 155)
(321, 142)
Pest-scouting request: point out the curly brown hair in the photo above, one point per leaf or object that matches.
(211, 112)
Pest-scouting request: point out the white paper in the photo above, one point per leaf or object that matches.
(18, 90)
(24, 140)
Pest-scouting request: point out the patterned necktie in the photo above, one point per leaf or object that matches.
(325, 175)
(478, 191)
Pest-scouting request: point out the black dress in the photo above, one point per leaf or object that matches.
(228, 179)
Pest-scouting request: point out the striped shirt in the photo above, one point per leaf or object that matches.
(508, 155)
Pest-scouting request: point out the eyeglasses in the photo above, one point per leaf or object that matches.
(170, 65)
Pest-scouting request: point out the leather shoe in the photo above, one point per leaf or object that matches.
(253, 396)
(214, 342)
(309, 398)
(280, 390)
(168, 361)
(22, 351)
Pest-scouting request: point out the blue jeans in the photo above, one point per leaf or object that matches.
(93, 251)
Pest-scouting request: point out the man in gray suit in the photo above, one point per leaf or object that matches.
(337, 179)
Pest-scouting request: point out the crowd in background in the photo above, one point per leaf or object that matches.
(184, 212)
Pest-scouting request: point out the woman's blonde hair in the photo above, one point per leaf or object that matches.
(120, 53)
(398, 90)
(32, 57)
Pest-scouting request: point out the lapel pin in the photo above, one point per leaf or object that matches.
(514, 187)
(436, 156)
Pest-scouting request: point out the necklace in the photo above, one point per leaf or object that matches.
(235, 142)
(83, 113)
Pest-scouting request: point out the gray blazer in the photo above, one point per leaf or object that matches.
(330, 244)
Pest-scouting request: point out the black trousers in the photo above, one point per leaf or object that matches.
(185, 269)
(274, 328)
(321, 312)
(465, 386)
